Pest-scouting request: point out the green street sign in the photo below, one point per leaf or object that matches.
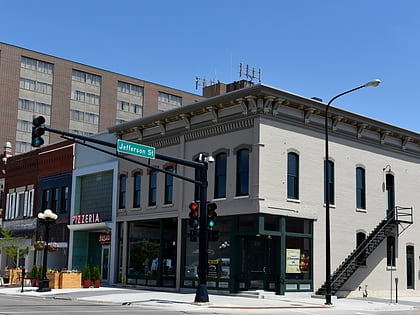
(133, 148)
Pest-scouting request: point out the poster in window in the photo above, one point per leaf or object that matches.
(304, 262)
(292, 260)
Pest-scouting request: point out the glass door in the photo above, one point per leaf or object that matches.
(105, 263)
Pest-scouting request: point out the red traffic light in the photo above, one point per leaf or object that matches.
(193, 206)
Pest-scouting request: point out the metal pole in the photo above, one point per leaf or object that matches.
(327, 198)
(44, 283)
(201, 295)
(392, 248)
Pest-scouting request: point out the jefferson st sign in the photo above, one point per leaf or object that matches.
(133, 148)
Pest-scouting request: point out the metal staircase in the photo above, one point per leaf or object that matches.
(401, 217)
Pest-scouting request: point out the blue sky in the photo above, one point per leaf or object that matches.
(308, 47)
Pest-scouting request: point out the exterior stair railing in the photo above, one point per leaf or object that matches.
(402, 216)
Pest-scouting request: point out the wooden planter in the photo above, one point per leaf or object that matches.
(54, 280)
(70, 280)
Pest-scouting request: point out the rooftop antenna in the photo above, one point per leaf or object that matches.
(204, 82)
(250, 73)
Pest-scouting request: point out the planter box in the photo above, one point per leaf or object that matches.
(70, 280)
(54, 280)
(15, 276)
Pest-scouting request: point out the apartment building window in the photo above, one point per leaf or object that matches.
(85, 77)
(92, 118)
(26, 105)
(360, 188)
(44, 88)
(22, 147)
(124, 106)
(152, 187)
(24, 125)
(78, 96)
(36, 65)
(65, 199)
(43, 108)
(242, 172)
(123, 191)
(169, 99)
(137, 190)
(135, 108)
(77, 115)
(330, 182)
(130, 88)
(292, 175)
(123, 87)
(220, 175)
(27, 84)
(92, 99)
(169, 185)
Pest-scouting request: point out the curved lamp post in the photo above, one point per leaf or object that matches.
(327, 193)
(46, 218)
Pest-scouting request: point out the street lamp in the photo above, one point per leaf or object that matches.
(46, 218)
(327, 194)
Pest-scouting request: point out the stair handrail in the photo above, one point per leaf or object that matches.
(362, 247)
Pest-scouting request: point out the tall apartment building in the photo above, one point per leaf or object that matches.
(71, 96)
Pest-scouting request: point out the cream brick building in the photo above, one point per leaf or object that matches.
(268, 183)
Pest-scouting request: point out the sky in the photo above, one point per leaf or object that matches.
(313, 48)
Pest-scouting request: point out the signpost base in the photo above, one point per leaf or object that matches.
(201, 296)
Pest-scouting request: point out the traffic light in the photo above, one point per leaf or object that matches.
(193, 215)
(38, 131)
(211, 215)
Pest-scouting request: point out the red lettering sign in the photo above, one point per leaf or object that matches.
(87, 218)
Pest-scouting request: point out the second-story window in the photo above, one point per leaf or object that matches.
(242, 172)
(46, 199)
(292, 176)
(360, 188)
(137, 190)
(169, 185)
(65, 199)
(152, 187)
(123, 191)
(220, 175)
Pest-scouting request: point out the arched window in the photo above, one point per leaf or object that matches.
(123, 191)
(137, 190)
(360, 188)
(169, 185)
(360, 238)
(152, 187)
(220, 175)
(292, 176)
(390, 251)
(242, 172)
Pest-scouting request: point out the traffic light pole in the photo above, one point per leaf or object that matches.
(201, 295)
(201, 165)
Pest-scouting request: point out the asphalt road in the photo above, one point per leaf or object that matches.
(13, 304)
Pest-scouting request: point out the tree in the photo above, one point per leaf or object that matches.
(12, 246)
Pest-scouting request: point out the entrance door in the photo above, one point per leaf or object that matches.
(260, 261)
(410, 267)
(105, 263)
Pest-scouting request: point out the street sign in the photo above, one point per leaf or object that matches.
(133, 148)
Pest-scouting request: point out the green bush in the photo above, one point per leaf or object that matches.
(34, 272)
(86, 273)
(96, 273)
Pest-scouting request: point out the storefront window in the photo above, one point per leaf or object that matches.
(143, 249)
(295, 225)
(298, 258)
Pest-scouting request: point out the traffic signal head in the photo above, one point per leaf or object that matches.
(193, 215)
(211, 215)
(38, 131)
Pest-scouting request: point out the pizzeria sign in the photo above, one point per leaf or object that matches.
(87, 218)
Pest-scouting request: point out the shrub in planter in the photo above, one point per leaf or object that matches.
(96, 277)
(86, 276)
(33, 275)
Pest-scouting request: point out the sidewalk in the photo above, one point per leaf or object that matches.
(185, 301)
